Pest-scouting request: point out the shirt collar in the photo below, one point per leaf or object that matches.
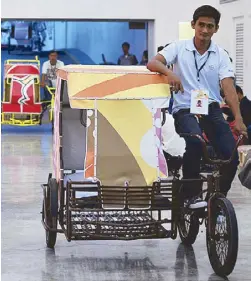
(190, 46)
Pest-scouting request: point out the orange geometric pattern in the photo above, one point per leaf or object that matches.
(121, 83)
(89, 163)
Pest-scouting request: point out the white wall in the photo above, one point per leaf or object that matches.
(166, 15)
(60, 35)
(226, 36)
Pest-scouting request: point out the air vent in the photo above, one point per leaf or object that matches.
(137, 25)
(239, 53)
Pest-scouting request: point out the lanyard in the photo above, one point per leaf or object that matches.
(196, 65)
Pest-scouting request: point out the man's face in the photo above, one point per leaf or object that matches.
(125, 49)
(205, 28)
(53, 58)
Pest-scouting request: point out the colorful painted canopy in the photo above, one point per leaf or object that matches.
(86, 83)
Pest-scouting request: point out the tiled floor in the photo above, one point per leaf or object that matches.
(26, 162)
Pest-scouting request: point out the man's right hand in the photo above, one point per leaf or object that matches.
(174, 82)
(42, 84)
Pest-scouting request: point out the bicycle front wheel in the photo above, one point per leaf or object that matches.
(222, 237)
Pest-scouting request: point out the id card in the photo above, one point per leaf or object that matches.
(199, 102)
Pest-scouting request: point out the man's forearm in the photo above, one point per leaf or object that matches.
(43, 78)
(157, 66)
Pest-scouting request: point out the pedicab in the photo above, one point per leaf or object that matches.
(22, 105)
(110, 179)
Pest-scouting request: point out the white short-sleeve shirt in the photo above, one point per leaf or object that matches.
(182, 55)
(50, 71)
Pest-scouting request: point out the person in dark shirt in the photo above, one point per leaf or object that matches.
(127, 58)
(144, 59)
(229, 117)
(245, 107)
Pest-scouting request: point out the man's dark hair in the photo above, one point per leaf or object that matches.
(160, 48)
(126, 44)
(207, 11)
(239, 90)
(52, 52)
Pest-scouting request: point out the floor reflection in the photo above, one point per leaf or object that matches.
(122, 268)
(186, 265)
(118, 268)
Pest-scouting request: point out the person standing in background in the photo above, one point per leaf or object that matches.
(49, 70)
(144, 59)
(245, 108)
(127, 58)
(49, 76)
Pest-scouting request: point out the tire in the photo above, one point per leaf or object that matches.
(52, 212)
(188, 228)
(224, 208)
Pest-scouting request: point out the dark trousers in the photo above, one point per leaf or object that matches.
(47, 95)
(220, 137)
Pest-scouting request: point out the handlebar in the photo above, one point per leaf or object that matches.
(205, 152)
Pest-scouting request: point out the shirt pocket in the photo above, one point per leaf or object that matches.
(211, 71)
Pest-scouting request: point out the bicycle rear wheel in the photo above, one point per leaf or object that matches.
(188, 227)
